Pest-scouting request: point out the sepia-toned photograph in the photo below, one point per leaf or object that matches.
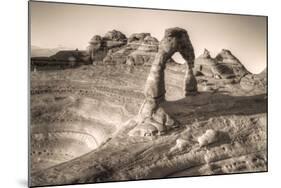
(125, 93)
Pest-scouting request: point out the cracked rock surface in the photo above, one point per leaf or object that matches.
(81, 119)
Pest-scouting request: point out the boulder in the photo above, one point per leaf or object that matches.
(180, 145)
(212, 137)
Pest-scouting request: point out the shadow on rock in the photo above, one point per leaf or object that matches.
(207, 105)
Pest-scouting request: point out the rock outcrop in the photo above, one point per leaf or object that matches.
(99, 46)
(230, 62)
(115, 36)
(145, 53)
(208, 66)
(204, 64)
(223, 66)
(114, 48)
(96, 49)
(252, 82)
(138, 37)
(140, 49)
(190, 83)
(70, 116)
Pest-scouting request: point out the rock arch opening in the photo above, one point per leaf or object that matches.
(177, 58)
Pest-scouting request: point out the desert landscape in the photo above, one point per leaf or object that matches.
(124, 109)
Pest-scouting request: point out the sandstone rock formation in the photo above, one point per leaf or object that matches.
(251, 82)
(96, 49)
(145, 53)
(208, 66)
(70, 118)
(138, 37)
(100, 46)
(190, 83)
(140, 49)
(223, 66)
(151, 112)
(102, 101)
(115, 49)
(204, 64)
(115, 36)
(230, 62)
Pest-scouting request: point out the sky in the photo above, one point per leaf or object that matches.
(55, 25)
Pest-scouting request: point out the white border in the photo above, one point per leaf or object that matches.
(14, 92)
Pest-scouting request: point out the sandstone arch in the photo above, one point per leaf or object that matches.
(151, 114)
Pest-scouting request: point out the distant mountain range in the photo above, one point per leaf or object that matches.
(46, 52)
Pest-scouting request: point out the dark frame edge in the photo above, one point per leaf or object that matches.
(28, 92)
(267, 166)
